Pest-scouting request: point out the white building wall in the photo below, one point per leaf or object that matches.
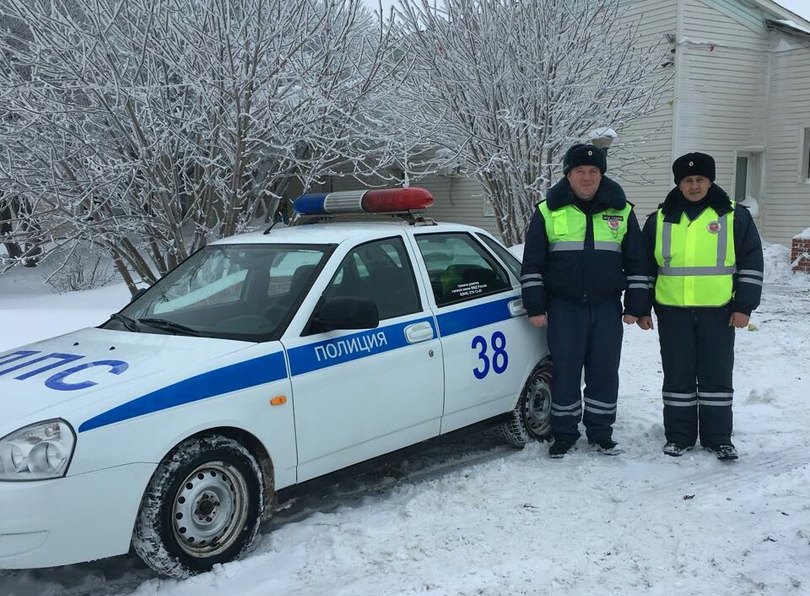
(722, 88)
(643, 168)
(786, 206)
(459, 199)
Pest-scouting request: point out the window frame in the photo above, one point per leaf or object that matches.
(754, 176)
(406, 266)
(482, 250)
(488, 209)
(512, 263)
(804, 157)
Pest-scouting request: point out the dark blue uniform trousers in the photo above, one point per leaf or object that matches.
(697, 354)
(590, 336)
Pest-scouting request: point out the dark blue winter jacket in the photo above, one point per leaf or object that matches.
(747, 244)
(588, 275)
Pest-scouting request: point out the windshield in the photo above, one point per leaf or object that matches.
(238, 291)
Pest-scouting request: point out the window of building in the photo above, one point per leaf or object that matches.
(489, 208)
(741, 178)
(748, 178)
(804, 174)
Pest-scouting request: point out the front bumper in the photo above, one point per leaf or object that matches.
(70, 520)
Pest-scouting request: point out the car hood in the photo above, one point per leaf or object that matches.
(62, 375)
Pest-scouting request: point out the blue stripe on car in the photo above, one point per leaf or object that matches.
(308, 358)
(303, 359)
(465, 319)
(209, 384)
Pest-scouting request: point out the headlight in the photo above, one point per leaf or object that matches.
(38, 451)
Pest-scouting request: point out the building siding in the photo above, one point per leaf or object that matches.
(786, 205)
(721, 101)
(730, 23)
(643, 169)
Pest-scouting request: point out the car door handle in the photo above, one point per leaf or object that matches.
(418, 332)
(516, 308)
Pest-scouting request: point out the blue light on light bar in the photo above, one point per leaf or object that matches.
(382, 200)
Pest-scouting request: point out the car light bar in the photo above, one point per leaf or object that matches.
(382, 200)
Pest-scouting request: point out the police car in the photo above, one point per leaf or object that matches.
(262, 361)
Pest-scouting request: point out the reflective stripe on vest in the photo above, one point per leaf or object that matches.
(695, 259)
(566, 228)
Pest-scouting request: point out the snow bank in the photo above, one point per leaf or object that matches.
(777, 263)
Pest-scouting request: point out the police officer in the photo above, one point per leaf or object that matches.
(583, 248)
(707, 256)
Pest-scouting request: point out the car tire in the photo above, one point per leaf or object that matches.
(531, 418)
(203, 506)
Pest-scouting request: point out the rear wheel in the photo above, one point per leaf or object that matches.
(531, 418)
(203, 506)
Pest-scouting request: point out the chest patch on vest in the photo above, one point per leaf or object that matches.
(613, 221)
(713, 227)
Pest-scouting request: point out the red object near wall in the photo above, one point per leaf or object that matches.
(800, 254)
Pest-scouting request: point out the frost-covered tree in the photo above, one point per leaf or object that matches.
(504, 86)
(149, 127)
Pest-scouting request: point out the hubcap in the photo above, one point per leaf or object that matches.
(537, 407)
(210, 509)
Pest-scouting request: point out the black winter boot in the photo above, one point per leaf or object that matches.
(560, 447)
(726, 452)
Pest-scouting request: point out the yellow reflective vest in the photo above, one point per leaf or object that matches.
(566, 228)
(695, 259)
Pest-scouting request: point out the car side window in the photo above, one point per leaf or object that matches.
(460, 268)
(290, 271)
(379, 271)
(507, 257)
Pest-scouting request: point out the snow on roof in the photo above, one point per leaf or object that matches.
(788, 24)
(795, 25)
(795, 10)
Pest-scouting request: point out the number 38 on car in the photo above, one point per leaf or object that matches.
(261, 362)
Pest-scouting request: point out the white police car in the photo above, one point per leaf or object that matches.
(262, 361)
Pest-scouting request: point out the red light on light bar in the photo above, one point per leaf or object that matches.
(381, 200)
(396, 199)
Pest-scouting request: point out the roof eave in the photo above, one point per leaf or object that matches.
(788, 28)
(783, 12)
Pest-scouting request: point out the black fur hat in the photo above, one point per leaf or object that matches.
(693, 164)
(584, 155)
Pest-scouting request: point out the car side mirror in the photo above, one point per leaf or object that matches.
(346, 312)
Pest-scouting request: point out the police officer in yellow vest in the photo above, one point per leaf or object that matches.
(583, 249)
(706, 258)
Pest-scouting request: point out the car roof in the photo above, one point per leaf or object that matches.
(338, 232)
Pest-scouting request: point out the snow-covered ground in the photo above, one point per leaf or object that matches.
(484, 520)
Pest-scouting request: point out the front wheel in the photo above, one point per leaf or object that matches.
(531, 418)
(203, 506)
